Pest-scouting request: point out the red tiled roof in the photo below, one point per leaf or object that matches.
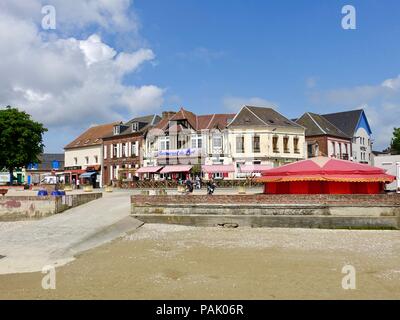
(92, 136)
(202, 122)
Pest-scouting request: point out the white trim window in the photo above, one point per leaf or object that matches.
(134, 149)
(197, 141)
(217, 141)
(163, 143)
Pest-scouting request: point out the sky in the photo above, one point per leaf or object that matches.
(112, 60)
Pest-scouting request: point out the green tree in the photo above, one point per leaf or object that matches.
(21, 139)
(395, 145)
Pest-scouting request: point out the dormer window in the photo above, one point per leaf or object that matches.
(135, 126)
(117, 130)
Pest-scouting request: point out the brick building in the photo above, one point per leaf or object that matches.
(323, 138)
(123, 149)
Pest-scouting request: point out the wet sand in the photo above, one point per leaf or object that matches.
(173, 262)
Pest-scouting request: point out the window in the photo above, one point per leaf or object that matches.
(164, 143)
(197, 141)
(217, 141)
(240, 144)
(275, 146)
(115, 150)
(76, 161)
(286, 144)
(116, 130)
(256, 144)
(87, 160)
(124, 150)
(135, 126)
(96, 159)
(296, 145)
(134, 149)
(333, 149)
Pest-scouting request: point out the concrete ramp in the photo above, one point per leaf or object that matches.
(28, 246)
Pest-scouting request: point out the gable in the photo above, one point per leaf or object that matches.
(363, 123)
(246, 118)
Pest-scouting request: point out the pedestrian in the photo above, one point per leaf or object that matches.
(198, 182)
(77, 183)
(211, 187)
(189, 185)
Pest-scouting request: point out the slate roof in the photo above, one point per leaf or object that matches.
(346, 121)
(92, 136)
(260, 116)
(317, 125)
(46, 161)
(146, 122)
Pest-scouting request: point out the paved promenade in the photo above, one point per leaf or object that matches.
(30, 245)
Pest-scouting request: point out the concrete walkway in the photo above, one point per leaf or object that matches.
(28, 246)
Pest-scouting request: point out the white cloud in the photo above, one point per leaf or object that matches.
(233, 104)
(381, 103)
(66, 81)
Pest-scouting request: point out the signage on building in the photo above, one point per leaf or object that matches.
(73, 168)
(177, 153)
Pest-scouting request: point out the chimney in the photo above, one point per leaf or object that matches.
(168, 114)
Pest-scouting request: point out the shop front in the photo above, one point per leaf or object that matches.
(218, 171)
(176, 172)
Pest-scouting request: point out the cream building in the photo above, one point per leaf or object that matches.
(84, 156)
(262, 137)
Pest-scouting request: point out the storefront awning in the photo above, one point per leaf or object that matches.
(176, 169)
(256, 168)
(149, 169)
(87, 175)
(218, 168)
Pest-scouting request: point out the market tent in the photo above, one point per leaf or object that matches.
(324, 175)
(176, 169)
(218, 168)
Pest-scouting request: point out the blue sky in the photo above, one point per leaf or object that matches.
(214, 55)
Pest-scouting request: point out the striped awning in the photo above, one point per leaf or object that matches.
(218, 168)
(176, 169)
(149, 169)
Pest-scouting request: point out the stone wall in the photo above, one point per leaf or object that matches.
(311, 211)
(14, 208)
(347, 199)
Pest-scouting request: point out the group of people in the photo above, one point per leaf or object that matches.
(197, 184)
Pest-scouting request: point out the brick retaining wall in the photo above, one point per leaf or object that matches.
(364, 200)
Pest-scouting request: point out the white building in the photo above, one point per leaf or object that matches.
(84, 156)
(391, 163)
(183, 140)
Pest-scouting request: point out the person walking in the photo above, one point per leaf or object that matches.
(210, 187)
(189, 185)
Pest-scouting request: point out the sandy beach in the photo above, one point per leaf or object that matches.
(175, 262)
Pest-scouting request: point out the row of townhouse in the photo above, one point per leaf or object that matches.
(231, 146)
